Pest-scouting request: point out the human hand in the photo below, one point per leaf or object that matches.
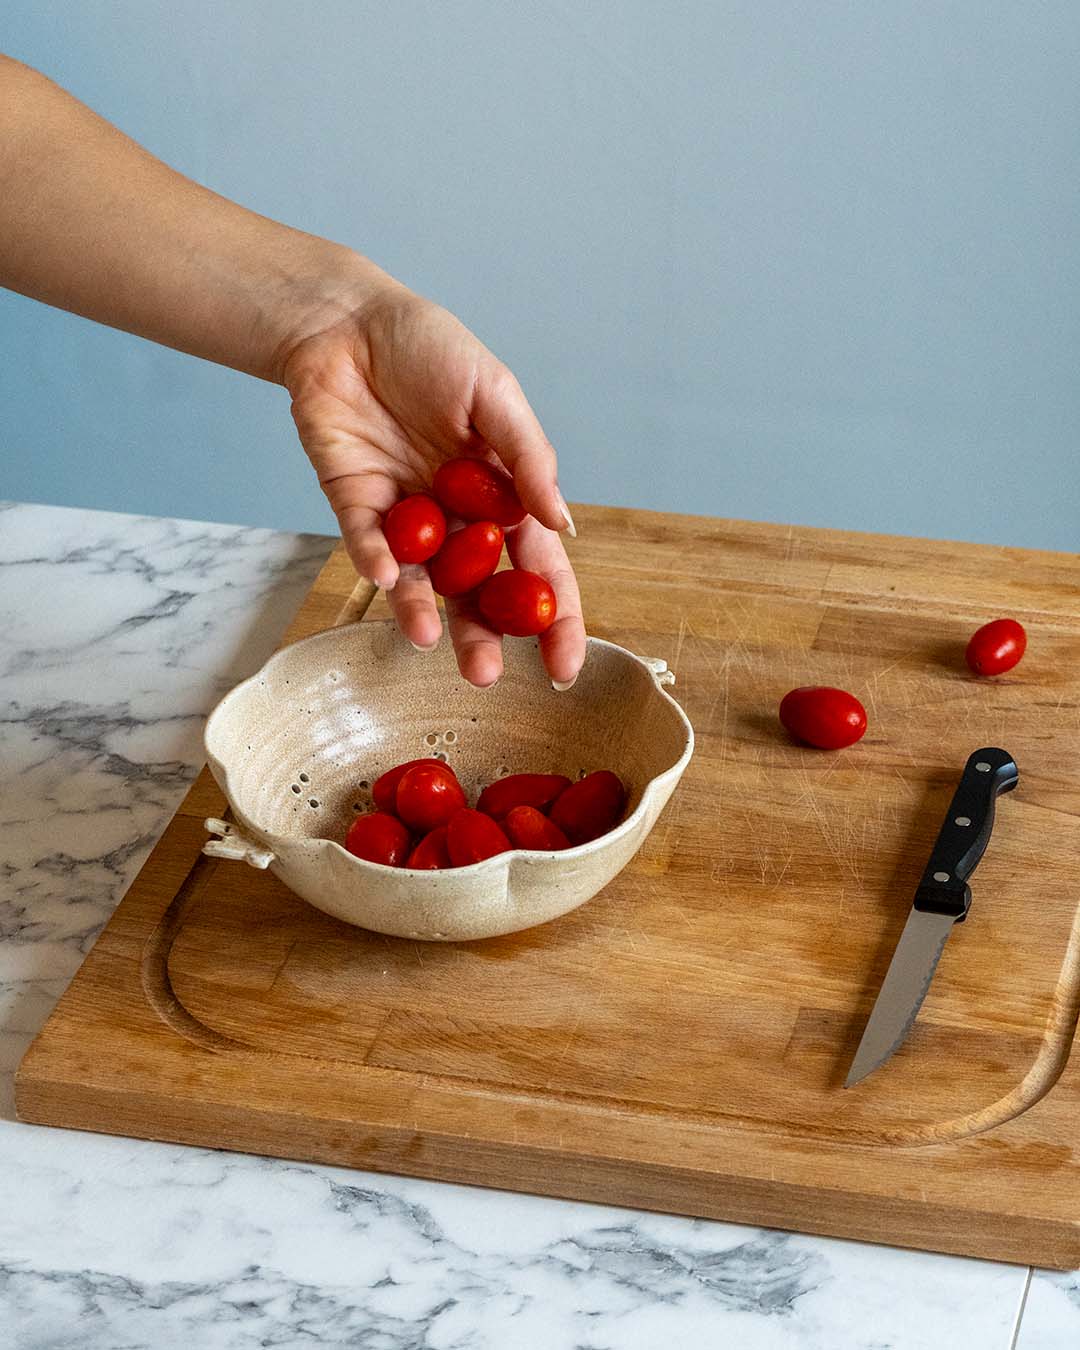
(381, 398)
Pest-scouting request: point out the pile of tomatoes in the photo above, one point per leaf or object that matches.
(832, 718)
(422, 819)
(514, 602)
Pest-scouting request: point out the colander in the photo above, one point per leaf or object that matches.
(296, 748)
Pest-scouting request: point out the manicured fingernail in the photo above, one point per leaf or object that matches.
(571, 528)
(561, 686)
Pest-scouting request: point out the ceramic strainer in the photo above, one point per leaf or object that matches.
(296, 747)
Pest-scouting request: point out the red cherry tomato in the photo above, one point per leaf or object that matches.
(825, 717)
(415, 528)
(384, 789)
(526, 827)
(430, 854)
(468, 557)
(521, 789)
(517, 603)
(471, 837)
(475, 490)
(379, 838)
(426, 797)
(590, 807)
(996, 647)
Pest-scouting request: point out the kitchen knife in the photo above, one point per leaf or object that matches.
(942, 898)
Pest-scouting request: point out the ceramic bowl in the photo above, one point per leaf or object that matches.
(296, 747)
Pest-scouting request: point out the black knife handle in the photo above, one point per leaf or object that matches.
(965, 833)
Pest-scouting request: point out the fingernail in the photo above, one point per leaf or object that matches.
(571, 528)
(561, 686)
(416, 647)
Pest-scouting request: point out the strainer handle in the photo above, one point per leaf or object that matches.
(230, 843)
(658, 666)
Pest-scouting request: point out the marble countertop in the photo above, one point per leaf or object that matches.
(117, 635)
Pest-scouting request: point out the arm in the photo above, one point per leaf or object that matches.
(385, 385)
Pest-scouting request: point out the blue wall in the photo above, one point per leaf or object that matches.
(812, 262)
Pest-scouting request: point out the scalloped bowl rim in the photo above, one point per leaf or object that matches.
(221, 773)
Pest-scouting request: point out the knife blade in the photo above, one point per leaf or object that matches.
(942, 898)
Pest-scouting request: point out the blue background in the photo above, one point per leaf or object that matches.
(807, 262)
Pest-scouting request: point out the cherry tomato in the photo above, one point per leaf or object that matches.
(427, 797)
(517, 603)
(996, 647)
(475, 490)
(384, 789)
(430, 854)
(825, 717)
(468, 557)
(471, 837)
(415, 528)
(590, 807)
(526, 827)
(379, 838)
(521, 789)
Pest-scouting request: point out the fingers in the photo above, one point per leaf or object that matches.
(412, 603)
(563, 645)
(502, 416)
(361, 528)
(478, 649)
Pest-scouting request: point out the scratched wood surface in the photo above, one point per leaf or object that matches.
(680, 1042)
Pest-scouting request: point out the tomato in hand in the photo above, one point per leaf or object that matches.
(823, 717)
(526, 827)
(475, 490)
(521, 789)
(471, 837)
(517, 603)
(996, 647)
(431, 854)
(384, 789)
(415, 528)
(590, 807)
(379, 838)
(467, 558)
(427, 797)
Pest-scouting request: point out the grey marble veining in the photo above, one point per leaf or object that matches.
(116, 636)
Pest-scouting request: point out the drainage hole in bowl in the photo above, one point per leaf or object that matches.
(431, 738)
(296, 788)
(364, 784)
(503, 770)
(304, 778)
(581, 773)
(449, 737)
(312, 802)
(440, 754)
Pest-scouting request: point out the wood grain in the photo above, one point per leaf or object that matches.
(680, 1042)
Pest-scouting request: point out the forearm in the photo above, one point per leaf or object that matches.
(91, 222)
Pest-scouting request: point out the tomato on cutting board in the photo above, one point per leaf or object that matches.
(521, 789)
(517, 603)
(378, 837)
(415, 528)
(474, 489)
(996, 647)
(823, 717)
(467, 558)
(590, 807)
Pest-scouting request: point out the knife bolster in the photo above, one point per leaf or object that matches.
(943, 898)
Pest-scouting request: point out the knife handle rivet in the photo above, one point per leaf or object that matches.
(962, 820)
(941, 876)
(982, 766)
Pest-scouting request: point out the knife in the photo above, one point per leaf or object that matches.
(943, 897)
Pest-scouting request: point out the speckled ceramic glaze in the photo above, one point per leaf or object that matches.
(296, 747)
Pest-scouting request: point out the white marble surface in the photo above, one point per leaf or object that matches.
(116, 636)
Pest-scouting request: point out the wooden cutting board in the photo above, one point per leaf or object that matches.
(680, 1042)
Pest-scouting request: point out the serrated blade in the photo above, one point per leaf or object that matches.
(902, 992)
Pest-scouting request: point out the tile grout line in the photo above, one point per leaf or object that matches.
(1020, 1310)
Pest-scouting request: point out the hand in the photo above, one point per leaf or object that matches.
(381, 398)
